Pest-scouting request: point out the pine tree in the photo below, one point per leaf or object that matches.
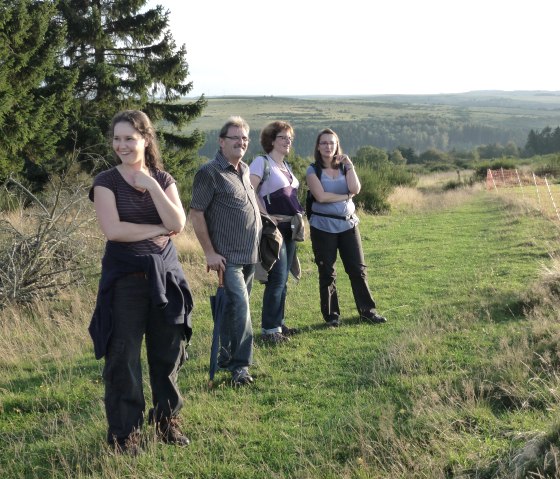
(127, 58)
(35, 93)
(531, 146)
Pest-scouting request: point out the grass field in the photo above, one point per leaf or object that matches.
(446, 122)
(458, 383)
(513, 109)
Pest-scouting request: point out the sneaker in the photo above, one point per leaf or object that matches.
(169, 432)
(333, 323)
(275, 338)
(373, 317)
(241, 377)
(289, 331)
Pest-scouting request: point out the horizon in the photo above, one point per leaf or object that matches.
(249, 95)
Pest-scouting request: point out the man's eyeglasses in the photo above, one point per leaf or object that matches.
(327, 143)
(244, 139)
(286, 138)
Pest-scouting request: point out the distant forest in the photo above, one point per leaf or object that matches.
(461, 122)
(543, 142)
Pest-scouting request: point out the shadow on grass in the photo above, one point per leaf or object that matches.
(504, 309)
(41, 402)
(51, 420)
(56, 459)
(84, 367)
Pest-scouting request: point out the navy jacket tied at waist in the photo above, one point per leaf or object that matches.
(169, 289)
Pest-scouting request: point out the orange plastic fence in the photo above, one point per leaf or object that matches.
(507, 178)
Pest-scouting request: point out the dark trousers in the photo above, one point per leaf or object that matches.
(133, 317)
(325, 248)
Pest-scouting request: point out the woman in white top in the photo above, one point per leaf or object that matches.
(277, 197)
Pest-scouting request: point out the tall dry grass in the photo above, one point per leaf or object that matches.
(54, 329)
(193, 261)
(540, 200)
(539, 454)
(404, 198)
(54, 326)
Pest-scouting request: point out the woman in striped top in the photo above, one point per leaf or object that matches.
(142, 290)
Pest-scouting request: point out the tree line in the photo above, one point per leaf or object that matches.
(543, 142)
(417, 135)
(484, 142)
(67, 66)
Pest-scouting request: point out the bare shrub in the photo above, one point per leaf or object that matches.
(42, 242)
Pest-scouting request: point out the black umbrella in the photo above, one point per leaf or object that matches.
(218, 304)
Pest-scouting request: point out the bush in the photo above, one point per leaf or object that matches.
(452, 185)
(440, 167)
(42, 245)
(378, 183)
(549, 165)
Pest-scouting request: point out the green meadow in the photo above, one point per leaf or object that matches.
(462, 121)
(461, 381)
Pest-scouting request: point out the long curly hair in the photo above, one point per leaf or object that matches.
(143, 125)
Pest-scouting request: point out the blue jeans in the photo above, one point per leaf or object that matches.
(274, 298)
(236, 332)
(325, 248)
(134, 317)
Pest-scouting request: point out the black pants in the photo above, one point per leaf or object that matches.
(325, 248)
(134, 316)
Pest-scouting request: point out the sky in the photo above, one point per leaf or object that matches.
(366, 47)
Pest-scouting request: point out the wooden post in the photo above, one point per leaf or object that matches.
(522, 191)
(490, 176)
(552, 199)
(538, 194)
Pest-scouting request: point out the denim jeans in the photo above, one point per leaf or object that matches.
(236, 332)
(133, 317)
(274, 297)
(349, 244)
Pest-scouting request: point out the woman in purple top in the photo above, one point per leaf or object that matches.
(138, 209)
(277, 197)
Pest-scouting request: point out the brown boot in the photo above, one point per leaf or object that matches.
(169, 432)
(129, 446)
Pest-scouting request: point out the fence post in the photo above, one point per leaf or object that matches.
(538, 194)
(525, 202)
(490, 176)
(520, 185)
(551, 198)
